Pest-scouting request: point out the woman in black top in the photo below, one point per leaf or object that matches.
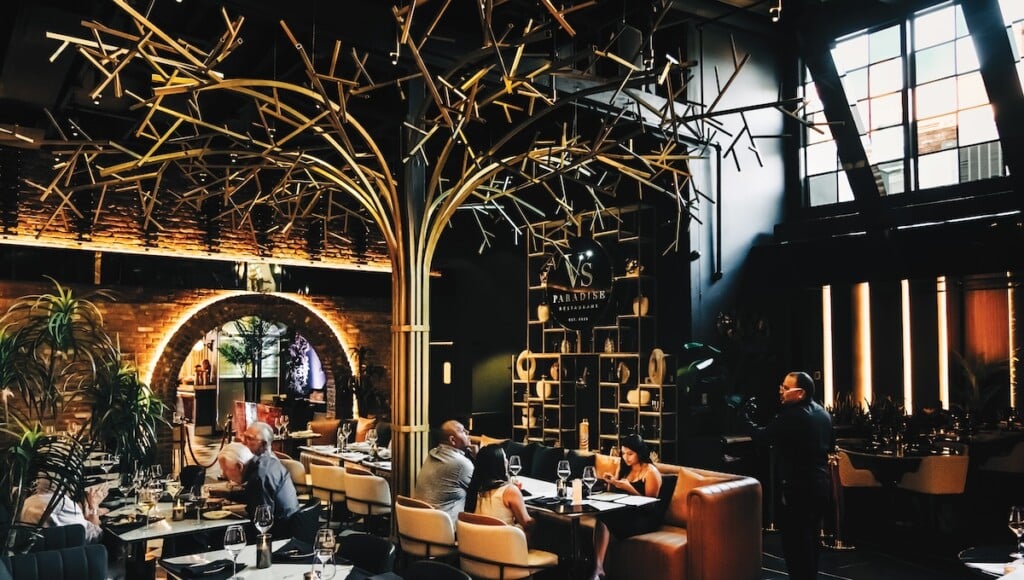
(637, 476)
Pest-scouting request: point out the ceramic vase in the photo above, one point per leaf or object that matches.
(543, 312)
(640, 305)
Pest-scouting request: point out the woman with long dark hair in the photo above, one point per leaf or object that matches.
(637, 476)
(491, 493)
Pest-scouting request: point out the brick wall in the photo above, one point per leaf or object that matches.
(159, 328)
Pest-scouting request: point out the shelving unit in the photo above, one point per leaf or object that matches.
(588, 383)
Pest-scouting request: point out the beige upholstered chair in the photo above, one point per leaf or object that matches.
(423, 530)
(1012, 462)
(489, 548)
(850, 476)
(300, 479)
(367, 494)
(937, 475)
(328, 484)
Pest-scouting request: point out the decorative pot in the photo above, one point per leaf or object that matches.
(554, 370)
(638, 397)
(609, 345)
(543, 312)
(525, 365)
(543, 389)
(565, 346)
(656, 367)
(623, 372)
(640, 305)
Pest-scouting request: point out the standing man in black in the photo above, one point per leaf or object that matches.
(801, 434)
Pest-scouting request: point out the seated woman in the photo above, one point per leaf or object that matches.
(637, 476)
(491, 493)
(65, 510)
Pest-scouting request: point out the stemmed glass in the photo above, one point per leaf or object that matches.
(1016, 524)
(173, 487)
(344, 432)
(263, 519)
(284, 424)
(515, 465)
(126, 484)
(147, 499)
(277, 424)
(371, 440)
(323, 548)
(589, 479)
(563, 470)
(200, 500)
(106, 464)
(234, 542)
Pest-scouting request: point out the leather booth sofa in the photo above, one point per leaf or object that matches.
(711, 527)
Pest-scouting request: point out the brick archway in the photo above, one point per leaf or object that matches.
(329, 342)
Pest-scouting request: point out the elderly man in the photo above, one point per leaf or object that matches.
(264, 479)
(444, 477)
(66, 511)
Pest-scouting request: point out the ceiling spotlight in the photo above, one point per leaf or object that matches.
(776, 11)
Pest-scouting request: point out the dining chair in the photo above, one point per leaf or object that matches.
(423, 530)
(300, 477)
(851, 476)
(937, 475)
(305, 522)
(328, 484)
(491, 549)
(367, 552)
(367, 495)
(1011, 462)
(433, 570)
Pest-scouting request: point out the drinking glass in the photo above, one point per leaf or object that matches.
(147, 499)
(125, 484)
(515, 465)
(323, 548)
(106, 463)
(173, 487)
(563, 470)
(345, 431)
(371, 437)
(284, 424)
(234, 542)
(1016, 524)
(589, 479)
(263, 519)
(200, 500)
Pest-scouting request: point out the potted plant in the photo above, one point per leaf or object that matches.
(54, 353)
(254, 344)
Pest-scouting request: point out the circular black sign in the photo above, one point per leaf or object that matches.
(579, 285)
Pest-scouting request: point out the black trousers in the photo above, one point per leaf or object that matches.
(802, 510)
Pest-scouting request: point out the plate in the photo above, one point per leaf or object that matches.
(216, 514)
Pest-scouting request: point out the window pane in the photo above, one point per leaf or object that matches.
(860, 112)
(851, 54)
(822, 189)
(966, 55)
(884, 44)
(977, 126)
(814, 136)
(971, 90)
(981, 161)
(936, 134)
(813, 100)
(938, 169)
(885, 77)
(936, 98)
(1017, 39)
(934, 28)
(961, 23)
(1013, 10)
(821, 157)
(845, 191)
(855, 83)
(892, 177)
(887, 111)
(886, 145)
(935, 63)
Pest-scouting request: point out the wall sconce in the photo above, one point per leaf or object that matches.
(446, 372)
(776, 11)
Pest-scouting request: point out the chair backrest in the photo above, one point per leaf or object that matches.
(487, 543)
(298, 474)
(326, 430)
(192, 478)
(938, 475)
(373, 554)
(1012, 462)
(58, 537)
(305, 522)
(423, 530)
(850, 476)
(328, 482)
(281, 455)
(367, 494)
(87, 562)
(433, 570)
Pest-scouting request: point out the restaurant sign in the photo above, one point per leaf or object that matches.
(579, 285)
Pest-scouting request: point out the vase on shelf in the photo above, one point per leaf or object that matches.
(543, 312)
(640, 305)
(609, 345)
(525, 365)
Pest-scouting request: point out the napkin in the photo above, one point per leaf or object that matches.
(294, 552)
(124, 525)
(215, 570)
(546, 501)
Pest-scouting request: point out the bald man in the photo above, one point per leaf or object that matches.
(444, 477)
(265, 479)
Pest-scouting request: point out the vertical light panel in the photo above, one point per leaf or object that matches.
(827, 392)
(908, 375)
(943, 332)
(862, 388)
(1011, 310)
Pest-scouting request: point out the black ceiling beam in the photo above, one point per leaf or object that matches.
(815, 50)
(999, 73)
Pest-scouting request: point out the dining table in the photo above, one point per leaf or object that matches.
(355, 454)
(276, 571)
(889, 462)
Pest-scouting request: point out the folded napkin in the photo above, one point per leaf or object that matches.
(294, 552)
(547, 501)
(121, 525)
(215, 570)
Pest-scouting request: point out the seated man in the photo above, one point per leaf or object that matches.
(264, 479)
(66, 511)
(445, 475)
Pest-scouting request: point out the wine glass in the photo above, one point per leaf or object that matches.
(284, 424)
(200, 500)
(371, 437)
(173, 487)
(106, 463)
(563, 470)
(125, 484)
(323, 548)
(263, 519)
(515, 465)
(345, 431)
(589, 479)
(234, 542)
(1016, 524)
(147, 499)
